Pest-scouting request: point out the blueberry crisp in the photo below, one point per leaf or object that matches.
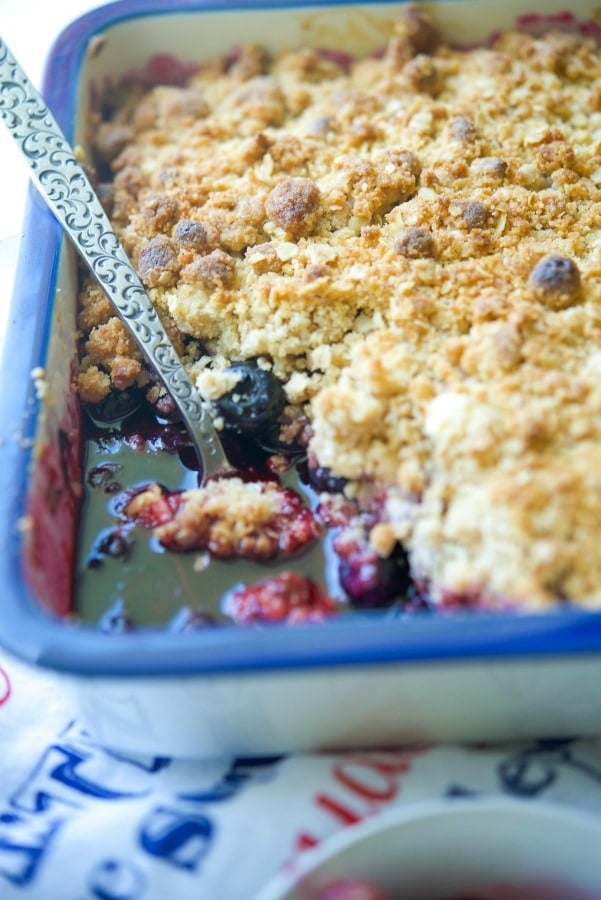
(388, 266)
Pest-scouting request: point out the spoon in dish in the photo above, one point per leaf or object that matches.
(67, 190)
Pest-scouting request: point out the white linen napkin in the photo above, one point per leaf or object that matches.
(78, 822)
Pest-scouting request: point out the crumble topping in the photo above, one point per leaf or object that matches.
(229, 517)
(411, 243)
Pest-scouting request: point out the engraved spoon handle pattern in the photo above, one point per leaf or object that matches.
(69, 194)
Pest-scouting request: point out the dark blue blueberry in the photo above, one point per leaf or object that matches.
(115, 405)
(164, 407)
(372, 582)
(101, 476)
(255, 402)
(321, 478)
(113, 543)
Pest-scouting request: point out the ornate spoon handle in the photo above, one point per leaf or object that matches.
(69, 194)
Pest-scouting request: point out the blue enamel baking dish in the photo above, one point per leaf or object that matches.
(366, 680)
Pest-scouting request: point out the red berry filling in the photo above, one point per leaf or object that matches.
(288, 597)
(351, 889)
(229, 517)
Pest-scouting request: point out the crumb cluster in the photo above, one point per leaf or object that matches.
(228, 517)
(412, 243)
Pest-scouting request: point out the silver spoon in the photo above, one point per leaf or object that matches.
(66, 188)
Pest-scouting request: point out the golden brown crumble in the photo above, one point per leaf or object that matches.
(229, 517)
(413, 243)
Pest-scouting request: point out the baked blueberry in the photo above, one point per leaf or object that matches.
(115, 406)
(556, 280)
(256, 401)
(322, 479)
(372, 582)
(114, 543)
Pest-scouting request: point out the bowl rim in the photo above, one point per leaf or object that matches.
(31, 633)
(479, 807)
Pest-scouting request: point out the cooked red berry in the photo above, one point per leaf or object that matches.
(458, 600)
(287, 597)
(352, 889)
(335, 510)
(298, 528)
(228, 517)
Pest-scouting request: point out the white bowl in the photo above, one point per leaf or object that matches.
(488, 848)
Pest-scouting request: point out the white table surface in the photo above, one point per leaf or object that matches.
(29, 27)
